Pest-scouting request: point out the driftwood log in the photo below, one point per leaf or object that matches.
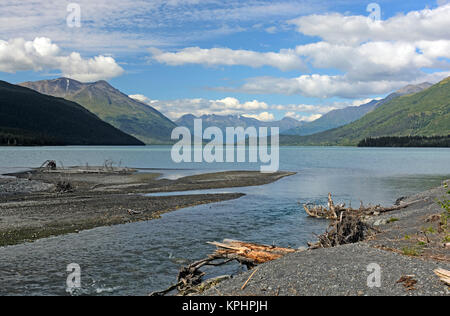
(48, 165)
(444, 275)
(250, 254)
(190, 278)
(334, 211)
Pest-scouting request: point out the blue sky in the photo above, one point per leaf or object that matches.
(266, 59)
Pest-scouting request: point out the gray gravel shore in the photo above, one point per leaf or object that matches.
(31, 207)
(343, 270)
(336, 271)
(10, 186)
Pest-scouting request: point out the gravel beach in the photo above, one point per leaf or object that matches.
(32, 205)
(343, 270)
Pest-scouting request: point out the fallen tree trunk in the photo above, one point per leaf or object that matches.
(444, 275)
(250, 254)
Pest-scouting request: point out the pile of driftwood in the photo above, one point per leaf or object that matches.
(190, 278)
(334, 211)
(347, 226)
(348, 229)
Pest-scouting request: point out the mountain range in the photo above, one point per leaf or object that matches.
(341, 117)
(426, 113)
(109, 104)
(224, 121)
(421, 110)
(30, 118)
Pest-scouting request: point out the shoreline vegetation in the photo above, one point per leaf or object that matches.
(11, 137)
(50, 201)
(406, 141)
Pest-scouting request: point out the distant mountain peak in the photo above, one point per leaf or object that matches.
(445, 81)
(414, 88)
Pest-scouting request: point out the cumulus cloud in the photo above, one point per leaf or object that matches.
(377, 60)
(316, 86)
(326, 86)
(174, 109)
(307, 108)
(304, 118)
(42, 55)
(285, 59)
(427, 24)
(141, 98)
(264, 116)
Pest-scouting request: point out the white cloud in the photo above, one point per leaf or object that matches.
(271, 29)
(427, 24)
(311, 118)
(264, 116)
(142, 98)
(362, 101)
(286, 59)
(435, 49)
(325, 86)
(307, 108)
(41, 55)
(174, 109)
(304, 118)
(377, 60)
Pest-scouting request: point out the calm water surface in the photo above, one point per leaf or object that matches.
(135, 259)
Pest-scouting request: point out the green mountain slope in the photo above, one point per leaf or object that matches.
(426, 113)
(341, 117)
(112, 106)
(30, 118)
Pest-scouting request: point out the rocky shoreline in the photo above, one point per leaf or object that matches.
(42, 203)
(407, 249)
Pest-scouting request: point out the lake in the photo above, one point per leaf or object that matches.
(138, 258)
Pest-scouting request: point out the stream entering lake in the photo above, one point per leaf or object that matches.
(138, 258)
